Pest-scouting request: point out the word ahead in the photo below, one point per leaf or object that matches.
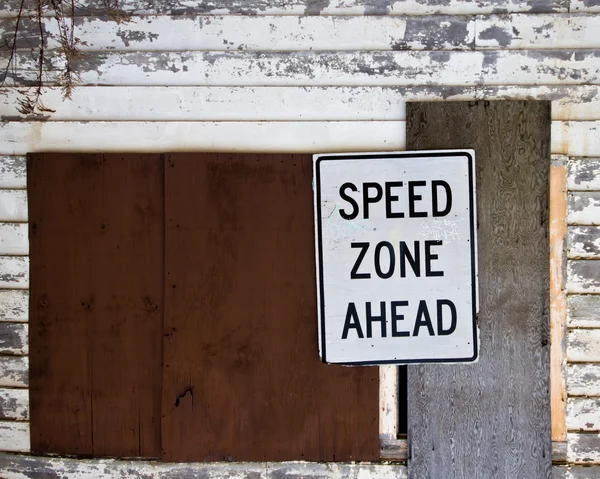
(396, 257)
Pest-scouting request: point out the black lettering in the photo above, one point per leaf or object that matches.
(423, 319)
(371, 199)
(397, 317)
(371, 319)
(350, 200)
(389, 199)
(415, 261)
(440, 323)
(352, 322)
(429, 257)
(413, 198)
(434, 194)
(354, 274)
(392, 266)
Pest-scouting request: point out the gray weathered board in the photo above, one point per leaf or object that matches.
(492, 419)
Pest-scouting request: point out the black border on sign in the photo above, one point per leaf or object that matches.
(321, 292)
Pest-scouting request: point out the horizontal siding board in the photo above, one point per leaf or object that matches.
(287, 103)
(14, 272)
(584, 174)
(14, 239)
(583, 242)
(396, 68)
(583, 379)
(283, 137)
(14, 404)
(14, 371)
(583, 276)
(583, 414)
(583, 448)
(14, 436)
(14, 339)
(583, 311)
(12, 168)
(575, 472)
(13, 205)
(583, 208)
(576, 138)
(14, 306)
(583, 345)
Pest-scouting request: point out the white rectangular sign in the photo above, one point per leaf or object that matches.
(396, 257)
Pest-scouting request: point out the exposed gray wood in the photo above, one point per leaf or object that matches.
(583, 345)
(584, 174)
(583, 276)
(396, 68)
(14, 339)
(13, 205)
(583, 379)
(575, 472)
(492, 419)
(559, 452)
(12, 169)
(14, 436)
(14, 239)
(14, 466)
(584, 208)
(583, 448)
(583, 242)
(583, 311)
(14, 371)
(583, 414)
(14, 404)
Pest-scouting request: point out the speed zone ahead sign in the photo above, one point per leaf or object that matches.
(396, 257)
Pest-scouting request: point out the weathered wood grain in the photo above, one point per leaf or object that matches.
(584, 208)
(14, 339)
(583, 379)
(583, 448)
(583, 242)
(14, 404)
(14, 436)
(13, 466)
(583, 345)
(14, 371)
(293, 137)
(395, 68)
(583, 414)
(14, 272)
(583, 276)
(12, 168)
(576, 472)
(13, 239)
(558, 300)
(584, 174)
(13, 205)
(492, 418)
(187, 103)
(583, 311)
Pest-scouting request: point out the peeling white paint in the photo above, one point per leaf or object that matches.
(14, 436)
(14, 404)
(583, 414)
(14, 272)
(14, 306)
(583, 448)
(14, 371)
(14, 239)
(583, 208)
(584, 174)
(12, 169)
(583, 345)
(13, 204)
(583, 379)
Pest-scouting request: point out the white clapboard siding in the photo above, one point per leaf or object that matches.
(583, 310)
(575, 472)
(18, 138)
(583, 276)
(317, 33)
(583, 242)
(97, 103)
(13, 204)
(583, 414)
(14, 338)
(14, 436)
(583, 448)
(583, 345)
(14, 404)
(395, 68)
(14, 371)
(583, 379)
(14, 239)
(14, 305)
(583, 208)
(584, 173)
(12, 168)
(14, 272)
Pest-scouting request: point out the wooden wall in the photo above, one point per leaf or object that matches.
(308, 76)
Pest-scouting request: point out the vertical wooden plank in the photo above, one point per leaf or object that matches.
(492, 419)
(242, 375)
(558, 298)
(97, 249)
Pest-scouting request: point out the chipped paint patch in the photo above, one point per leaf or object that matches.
(14, 239)
(14, 371)
(583, 208)
(14, 404)
(583, 414)
(584, 174)
(583, 448)
(14, 339)
(14, 305)
(12, 169)
(583, 311)
(583, 345)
